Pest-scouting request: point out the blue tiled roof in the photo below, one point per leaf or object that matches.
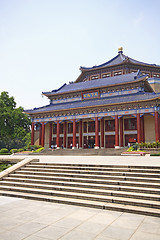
(154, 80)
(120, 58)
(96, 102)
(95, 83)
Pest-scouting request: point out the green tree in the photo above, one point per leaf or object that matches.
(14, 124)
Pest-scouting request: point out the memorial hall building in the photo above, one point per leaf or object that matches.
(107, 106)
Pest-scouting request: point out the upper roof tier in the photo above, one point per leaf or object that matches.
(98, 83)
(119, 59)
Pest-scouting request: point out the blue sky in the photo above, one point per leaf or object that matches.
(44, 42)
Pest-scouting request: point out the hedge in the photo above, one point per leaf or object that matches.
(4, 150)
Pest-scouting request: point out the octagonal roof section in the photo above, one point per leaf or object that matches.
(97, 84)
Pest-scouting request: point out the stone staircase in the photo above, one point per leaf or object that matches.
(134, 189)
(83, 152)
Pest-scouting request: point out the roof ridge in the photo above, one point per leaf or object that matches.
(101, 65)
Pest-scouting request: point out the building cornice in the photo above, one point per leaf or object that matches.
(99, 106)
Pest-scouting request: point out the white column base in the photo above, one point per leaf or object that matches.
(102, 148)
(96, 147)
(73, 147)
(58, 148)
(117, 147)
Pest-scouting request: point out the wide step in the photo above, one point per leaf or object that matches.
(122, 188)
(85, 203)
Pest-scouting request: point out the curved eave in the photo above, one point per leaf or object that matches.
(142, 78)
(110, 104)
(100, 105)
(47, 94)
(127, 60)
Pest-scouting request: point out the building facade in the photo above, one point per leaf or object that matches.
(107, 106)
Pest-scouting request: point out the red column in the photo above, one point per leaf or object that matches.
(142, 129)
(65, 134)
(40, 134)
(159, 127)
(74, 133)
(156, 119)
(138, 128)
(80, 134)
(43, 134)
(57, 137)
(102, 133)
(32, 135)
(121, 131)
(116, 131)
(96, 133)
(50, 134)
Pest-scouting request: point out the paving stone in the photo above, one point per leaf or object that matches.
(117, 233)
(144, 236)
(48, 218)
(130, 221)
(91, 227)
(150, 228)
(52, 232)
(105, 217)
(82, 214)
(78, 235)
(69, 223)
(30, 227)
(35, 238)
(104, 238)
(8, 223)
(151, 220)
(12, 235)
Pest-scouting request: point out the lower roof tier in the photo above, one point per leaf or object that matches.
(109, 101)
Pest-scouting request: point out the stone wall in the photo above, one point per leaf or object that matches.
(149, 128)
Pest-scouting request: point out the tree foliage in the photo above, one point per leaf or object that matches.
(14, 124)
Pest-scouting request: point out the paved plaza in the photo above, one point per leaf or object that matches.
(37, 220)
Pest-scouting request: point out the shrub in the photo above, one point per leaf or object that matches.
(20, 150)
(155, 154)
(153, 145)
(39, 150)
(33, 147)
(130, 149)
(158, 144)
(4, 150)
(4, 153)
(14, 150)
(4, 166)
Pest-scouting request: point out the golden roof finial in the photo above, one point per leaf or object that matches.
(120, 50)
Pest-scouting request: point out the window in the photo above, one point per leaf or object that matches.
(77, 127)
(61, 128)
(70, 127)
(130, 124)
(156, 75)
(105, 75)
(91, 126)
(85, 127)
(94, 77)
(118, 73)
(54, 128)
(109, 125)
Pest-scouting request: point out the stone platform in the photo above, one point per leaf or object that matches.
(39, 220)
